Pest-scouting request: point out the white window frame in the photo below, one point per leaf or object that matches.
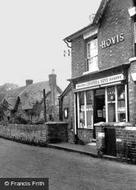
(116, 104)
(92, 60)
(85, 112)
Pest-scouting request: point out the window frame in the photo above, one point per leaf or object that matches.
(116, 103)
(91, 60)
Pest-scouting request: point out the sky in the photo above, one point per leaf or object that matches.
(31, 37)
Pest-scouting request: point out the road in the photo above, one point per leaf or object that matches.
(65, 170)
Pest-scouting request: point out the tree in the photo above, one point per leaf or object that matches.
(3, 108)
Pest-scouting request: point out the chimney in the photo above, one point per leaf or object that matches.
(29, 82)
(52, 83)
(52, 79)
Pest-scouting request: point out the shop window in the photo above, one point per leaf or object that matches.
(81, 110)
(89, 109)
(111, 104)
(92, 55)
(116, 104)
(86, 109)
(121, 108)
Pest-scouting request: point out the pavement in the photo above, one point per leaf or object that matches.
(89, 149)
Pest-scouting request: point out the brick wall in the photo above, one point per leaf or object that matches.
(132, 93)
(78, 57)
(68, 102)
(125, 139)
(115, 21)
(57, 132)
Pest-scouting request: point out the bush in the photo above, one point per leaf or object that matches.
(20, 120)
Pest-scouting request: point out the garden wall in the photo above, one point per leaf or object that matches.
(35, 134)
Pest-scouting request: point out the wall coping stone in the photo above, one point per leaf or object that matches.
(113, 124)
(55, 122)
(130, 128)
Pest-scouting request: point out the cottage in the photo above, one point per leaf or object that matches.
(33, 103)
(103, 82)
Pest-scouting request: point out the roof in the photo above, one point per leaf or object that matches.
(33, 93)
(5, 88)
(67, 89)
(28, 95)
(91, 26)
(100, 11)
(79, 33)
(11, 96)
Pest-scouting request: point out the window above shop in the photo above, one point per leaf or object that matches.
(92, 55)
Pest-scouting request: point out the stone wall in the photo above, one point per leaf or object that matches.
(35, 134)
(31, 134)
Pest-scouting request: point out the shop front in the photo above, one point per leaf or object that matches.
(100, 100)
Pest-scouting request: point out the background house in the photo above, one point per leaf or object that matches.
(27, 104)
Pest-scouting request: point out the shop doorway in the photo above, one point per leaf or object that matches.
(99, 107)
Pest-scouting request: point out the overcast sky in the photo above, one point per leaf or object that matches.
(31, 37)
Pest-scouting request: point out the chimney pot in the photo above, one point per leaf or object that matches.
(29, 82)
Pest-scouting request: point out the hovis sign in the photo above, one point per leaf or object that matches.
(102, 81)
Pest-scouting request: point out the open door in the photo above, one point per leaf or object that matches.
(99, 107)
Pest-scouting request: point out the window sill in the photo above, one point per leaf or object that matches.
(89, 72)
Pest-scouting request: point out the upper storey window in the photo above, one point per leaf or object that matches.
(92, 55)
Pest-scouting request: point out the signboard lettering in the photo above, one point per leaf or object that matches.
(113, 40)
(98, 82)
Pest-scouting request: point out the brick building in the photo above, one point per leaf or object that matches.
(103, 82)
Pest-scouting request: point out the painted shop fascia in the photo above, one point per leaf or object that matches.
(104, 70)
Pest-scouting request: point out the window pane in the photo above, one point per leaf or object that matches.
(111, 112)
(111, 93)
(88, 50)
(89, 108)
(93, 64)
(121, 91)
(121, 103)
(89, 97)
(92, 55)
(81, 110)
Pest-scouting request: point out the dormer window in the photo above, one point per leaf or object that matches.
(92, 55)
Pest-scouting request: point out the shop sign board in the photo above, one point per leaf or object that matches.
(99, 82)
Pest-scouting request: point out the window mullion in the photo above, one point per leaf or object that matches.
(85, 109)
(106, 104)
(126, 105)
(78, 115)
(116, 104)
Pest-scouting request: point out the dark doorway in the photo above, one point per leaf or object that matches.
(99, 107)
(110, 141)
